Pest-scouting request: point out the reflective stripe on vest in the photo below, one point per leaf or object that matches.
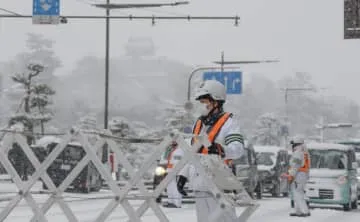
(213, 132)
(306, 166)
(169, 164)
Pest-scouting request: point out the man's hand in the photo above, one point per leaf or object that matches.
(288, 177)
(291, 179)
(181, 181)
(216, 149)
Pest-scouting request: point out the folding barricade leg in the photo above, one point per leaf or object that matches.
(24, 187)
(65, 183)
(134, 180)
(162, 186)
(225, 204)
(112, 184)
(47, 180)
(149, 198)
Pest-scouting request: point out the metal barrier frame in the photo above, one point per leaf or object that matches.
(121, 195)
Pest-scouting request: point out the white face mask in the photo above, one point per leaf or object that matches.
(202, 109)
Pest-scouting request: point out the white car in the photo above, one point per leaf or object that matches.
(358, 173)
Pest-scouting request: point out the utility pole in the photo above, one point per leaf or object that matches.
(107, 61)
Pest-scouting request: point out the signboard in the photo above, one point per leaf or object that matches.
(351, 19)
(231, 79)
(46, 12)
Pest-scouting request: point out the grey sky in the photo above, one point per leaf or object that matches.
(305, 35)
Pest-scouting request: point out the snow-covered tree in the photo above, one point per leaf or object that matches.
(39, 54)
(33, 106)
(87, 122)
(123, 128)
(268, 130)
(176, 119)
(40, 101)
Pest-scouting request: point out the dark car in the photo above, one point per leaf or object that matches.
(272, 162)
(246, 171)
(89, 178)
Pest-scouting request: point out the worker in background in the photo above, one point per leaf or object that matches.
(173, 156)
(298, 176)
(226, 144)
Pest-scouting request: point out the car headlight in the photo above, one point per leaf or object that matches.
(341, 179)
(159, 171)
(265, 174)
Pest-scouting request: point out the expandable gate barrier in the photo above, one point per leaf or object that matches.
(121, 195)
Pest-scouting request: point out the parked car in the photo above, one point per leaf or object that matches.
(246, 170)
(351, 142)
(272, 161)
(333, 176)
(358, 173)
(89, 179)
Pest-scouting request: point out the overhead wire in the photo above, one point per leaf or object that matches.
(9, 11)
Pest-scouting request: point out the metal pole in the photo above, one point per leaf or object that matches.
(133, 17)
(286, 104)
(105, 154)
(322, 129)
(107, 49)
(286, 137)
(222, 61)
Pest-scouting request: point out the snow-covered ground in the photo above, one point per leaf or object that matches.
(88, 206)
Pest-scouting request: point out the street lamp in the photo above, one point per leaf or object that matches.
(323, 126)
(198, 70)
(188, 104)
(108, 6)
(286, 91)
(222, 62)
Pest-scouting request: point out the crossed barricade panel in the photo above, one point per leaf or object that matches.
(121, 195)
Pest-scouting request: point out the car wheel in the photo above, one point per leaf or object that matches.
(292, 203)
(354, 204)
(44, 186)
(86, 189)
(348, 206)
(259, 191)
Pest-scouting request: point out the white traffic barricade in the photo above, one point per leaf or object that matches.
(121, 195)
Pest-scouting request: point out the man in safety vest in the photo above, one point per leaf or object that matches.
(298, 176)
(225, 139)
(173, 155)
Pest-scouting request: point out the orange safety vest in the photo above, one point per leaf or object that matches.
(213, 132)
(306, 166)
(169, 164)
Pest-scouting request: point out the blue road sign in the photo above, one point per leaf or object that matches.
(232, 80)
(46, 11)
(46, 7)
